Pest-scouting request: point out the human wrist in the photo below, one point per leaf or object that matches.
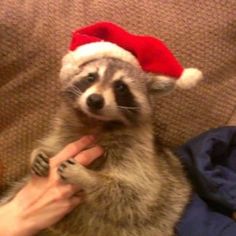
(25, 228)
(16, 223)
(26, 225)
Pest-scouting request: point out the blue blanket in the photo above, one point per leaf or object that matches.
(211, 162)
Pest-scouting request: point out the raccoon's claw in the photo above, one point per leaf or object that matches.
(40, 165)
(64, 168)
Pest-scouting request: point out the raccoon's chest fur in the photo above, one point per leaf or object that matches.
(146, 195)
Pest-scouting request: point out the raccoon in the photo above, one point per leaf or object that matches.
(136, 188)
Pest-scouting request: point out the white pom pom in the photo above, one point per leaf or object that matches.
(189, 78)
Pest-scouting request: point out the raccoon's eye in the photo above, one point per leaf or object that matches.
(119, 86)
(91, 77)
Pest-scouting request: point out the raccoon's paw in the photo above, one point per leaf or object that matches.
(40, 165)
(72, 172)
(66, 169)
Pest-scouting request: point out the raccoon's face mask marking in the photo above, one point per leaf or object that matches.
(125, 100)
(109, 89)
(85, 82)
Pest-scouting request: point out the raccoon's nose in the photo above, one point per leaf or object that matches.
(95, 101)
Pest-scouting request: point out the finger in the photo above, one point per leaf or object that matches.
(86, 157)
(72, 149)
(68, 190)
(71, 203)
(59, 193)
(75, 200)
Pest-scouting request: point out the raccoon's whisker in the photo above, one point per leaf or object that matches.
(75, 93)
(128, 108)
(76, 90)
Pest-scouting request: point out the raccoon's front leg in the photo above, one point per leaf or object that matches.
(74, 173)
(39, 163)
(40, 156)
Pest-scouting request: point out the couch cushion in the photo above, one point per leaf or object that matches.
(35, 35)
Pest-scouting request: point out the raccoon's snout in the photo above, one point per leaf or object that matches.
(95, 101)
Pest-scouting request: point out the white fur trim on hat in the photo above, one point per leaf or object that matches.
(189, 78)
(91, 51)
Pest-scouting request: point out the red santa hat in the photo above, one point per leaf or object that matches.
(105, 39)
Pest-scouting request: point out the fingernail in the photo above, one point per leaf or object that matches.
(91, 137)
(100, 149)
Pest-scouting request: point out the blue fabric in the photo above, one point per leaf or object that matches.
(210, 160)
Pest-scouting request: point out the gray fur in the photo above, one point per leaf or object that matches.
(136, 188)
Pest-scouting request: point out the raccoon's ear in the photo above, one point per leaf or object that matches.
(160, 84)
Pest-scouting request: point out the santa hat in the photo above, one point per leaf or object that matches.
(105, 39)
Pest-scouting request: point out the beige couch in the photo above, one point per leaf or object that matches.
(35, 34)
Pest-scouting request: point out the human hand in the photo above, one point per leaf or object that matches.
(44, 201)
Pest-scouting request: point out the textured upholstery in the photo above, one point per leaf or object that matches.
(35, 34)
